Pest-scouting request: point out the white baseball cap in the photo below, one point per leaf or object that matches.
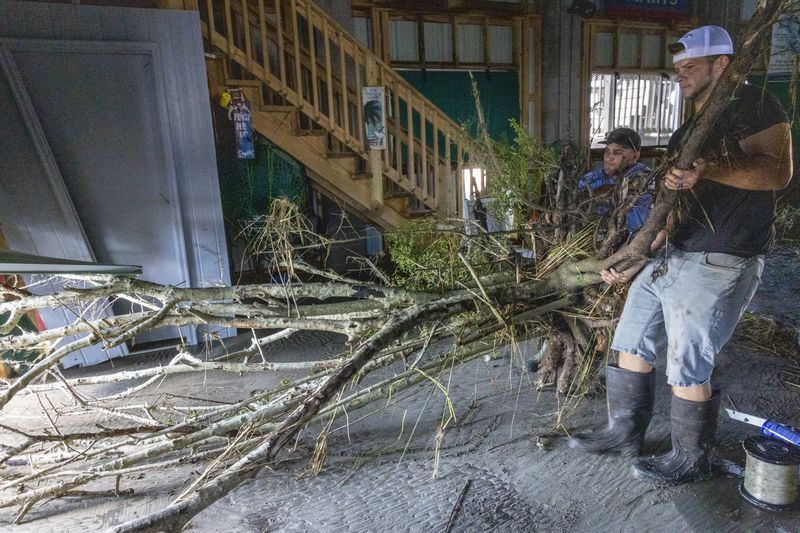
(702, 42)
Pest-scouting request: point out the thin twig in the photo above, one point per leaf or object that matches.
(457, 506)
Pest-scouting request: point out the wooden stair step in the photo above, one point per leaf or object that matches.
(339, 155)
(419, 213)
(279, 108)
(398, 194)
(242, 83)
(362, 176)
(398, 205)
(317, 132)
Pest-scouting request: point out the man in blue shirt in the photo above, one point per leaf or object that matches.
(620, 163)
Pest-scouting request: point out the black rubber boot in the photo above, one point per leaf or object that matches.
(693, 428)
(630, 398)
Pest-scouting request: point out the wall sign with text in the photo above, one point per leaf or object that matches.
(666, 9)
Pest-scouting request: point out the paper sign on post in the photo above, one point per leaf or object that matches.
(374, 117)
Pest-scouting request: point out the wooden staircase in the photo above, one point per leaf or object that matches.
(303, 74)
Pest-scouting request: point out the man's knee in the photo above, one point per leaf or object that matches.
(694, 393)
(633, 363)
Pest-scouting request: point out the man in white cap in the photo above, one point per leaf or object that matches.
(685, 304)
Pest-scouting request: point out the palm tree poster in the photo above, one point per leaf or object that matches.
(374, 117)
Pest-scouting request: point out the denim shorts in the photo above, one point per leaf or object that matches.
(688, 313)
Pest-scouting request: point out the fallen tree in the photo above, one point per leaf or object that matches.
(480, 296)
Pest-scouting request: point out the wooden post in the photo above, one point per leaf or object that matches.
(359, 103)
(211, 24)
(375, 156)
(312, 53)
(376, 36)
(446, 202)
(437, 187)
(522, 53)
(248, 45)
(281, 53)
(329, 75)
(423, 151)
(385, 25)
(410, 137)
(177, 4)
(262, 28)
(343, 80)
(229, 26)
(398, 143)
(301, 100)
(459, 181)
(383, 82)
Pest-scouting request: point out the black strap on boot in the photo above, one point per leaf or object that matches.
(630, 406)
(693, 427)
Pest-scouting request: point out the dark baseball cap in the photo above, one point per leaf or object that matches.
(624, 136)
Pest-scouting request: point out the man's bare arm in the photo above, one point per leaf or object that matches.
(766, 167)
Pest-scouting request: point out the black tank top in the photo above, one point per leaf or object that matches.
(720, 218)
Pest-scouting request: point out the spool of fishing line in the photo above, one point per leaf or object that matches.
(770, 474)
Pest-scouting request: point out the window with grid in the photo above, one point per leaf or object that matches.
(632, 84)
(459, 42)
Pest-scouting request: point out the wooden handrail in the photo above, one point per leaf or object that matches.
(425, 171)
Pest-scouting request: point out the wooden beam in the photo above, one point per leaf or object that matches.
(312, 54)
(281, 52)
(229, 26)
(328, 74)
(437, 186)
(211, 24)
(447, 197)
(359, 102)
(376, 35)
(446, 7)
(344, 89)
(262, 27)
(410, 111)
(423, 151)
(398, 131)
(177, 4)
(297, 70)
(248, 45)
(375, 156)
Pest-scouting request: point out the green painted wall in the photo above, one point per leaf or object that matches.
(452, 93)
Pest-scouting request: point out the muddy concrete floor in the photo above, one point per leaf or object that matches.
(505, 453)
